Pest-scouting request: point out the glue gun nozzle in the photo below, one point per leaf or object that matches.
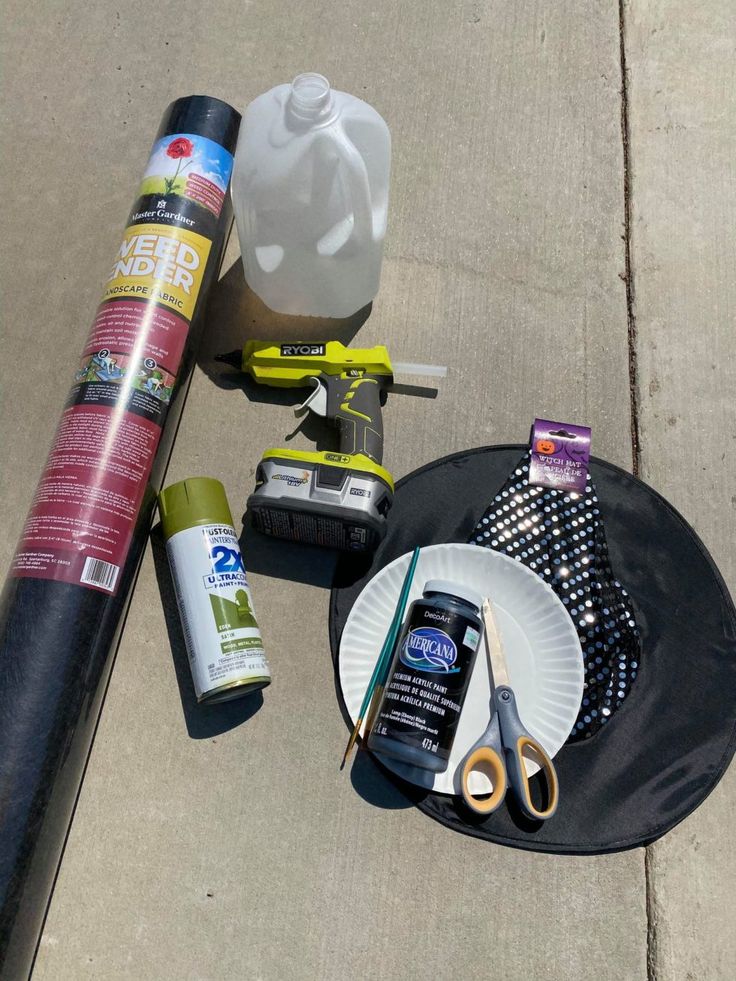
(424, 370)
(234, 359)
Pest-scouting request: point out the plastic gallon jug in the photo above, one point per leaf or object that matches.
(310, 195)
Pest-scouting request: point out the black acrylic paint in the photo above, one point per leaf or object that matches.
(429, 677)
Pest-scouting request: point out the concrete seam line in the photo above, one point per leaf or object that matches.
(651, 905)
(627, 276)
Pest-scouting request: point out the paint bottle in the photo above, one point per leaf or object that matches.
(222, 637)
(429, 677)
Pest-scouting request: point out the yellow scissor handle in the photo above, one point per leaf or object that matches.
(487, 760)
(528, 748)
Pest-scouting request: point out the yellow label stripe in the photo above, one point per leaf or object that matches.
(161, 263)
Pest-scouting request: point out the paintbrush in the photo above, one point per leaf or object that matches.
(380, 671)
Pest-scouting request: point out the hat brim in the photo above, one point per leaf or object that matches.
(668, 745)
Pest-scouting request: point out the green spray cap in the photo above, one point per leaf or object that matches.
(195, 501)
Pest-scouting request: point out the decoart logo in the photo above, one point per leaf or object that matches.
(429, 649)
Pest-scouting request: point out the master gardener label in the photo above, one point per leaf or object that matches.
(83, 515)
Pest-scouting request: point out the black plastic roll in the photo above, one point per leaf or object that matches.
(65, 599)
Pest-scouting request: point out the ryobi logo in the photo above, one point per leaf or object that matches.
(429, 649)
(302, 350)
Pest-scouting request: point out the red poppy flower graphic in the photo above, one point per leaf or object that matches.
(180, 147)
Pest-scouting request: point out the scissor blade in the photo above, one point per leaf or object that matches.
(494, 647)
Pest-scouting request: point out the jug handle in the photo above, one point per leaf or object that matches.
(359, 190)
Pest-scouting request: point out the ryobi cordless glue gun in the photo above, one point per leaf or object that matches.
(340, 499)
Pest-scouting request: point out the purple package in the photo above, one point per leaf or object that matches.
(559, 455)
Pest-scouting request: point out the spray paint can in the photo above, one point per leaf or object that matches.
(221, 633)
(429, 677)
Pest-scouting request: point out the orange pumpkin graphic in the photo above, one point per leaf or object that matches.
(545, 446)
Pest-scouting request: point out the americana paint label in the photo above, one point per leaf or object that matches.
(82, 517)
(429, 679)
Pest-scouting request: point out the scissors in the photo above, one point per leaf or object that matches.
(501, 750)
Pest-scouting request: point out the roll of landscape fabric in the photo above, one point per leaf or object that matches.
(70, 582)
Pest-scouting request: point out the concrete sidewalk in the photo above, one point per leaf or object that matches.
(563, 265)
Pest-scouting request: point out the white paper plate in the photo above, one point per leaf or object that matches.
(542, 649)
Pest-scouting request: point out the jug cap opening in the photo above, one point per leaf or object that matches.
(310, 94)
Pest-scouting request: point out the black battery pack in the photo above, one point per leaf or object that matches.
(317, 524)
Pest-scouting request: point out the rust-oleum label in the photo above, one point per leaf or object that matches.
(221, 634)
(82, 518)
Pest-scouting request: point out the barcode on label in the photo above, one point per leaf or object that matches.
(99, 573)
(471, 638)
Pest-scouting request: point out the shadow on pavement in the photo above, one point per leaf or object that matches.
(236, 315)
(375, 787)
(314, 565)
(290, 561)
